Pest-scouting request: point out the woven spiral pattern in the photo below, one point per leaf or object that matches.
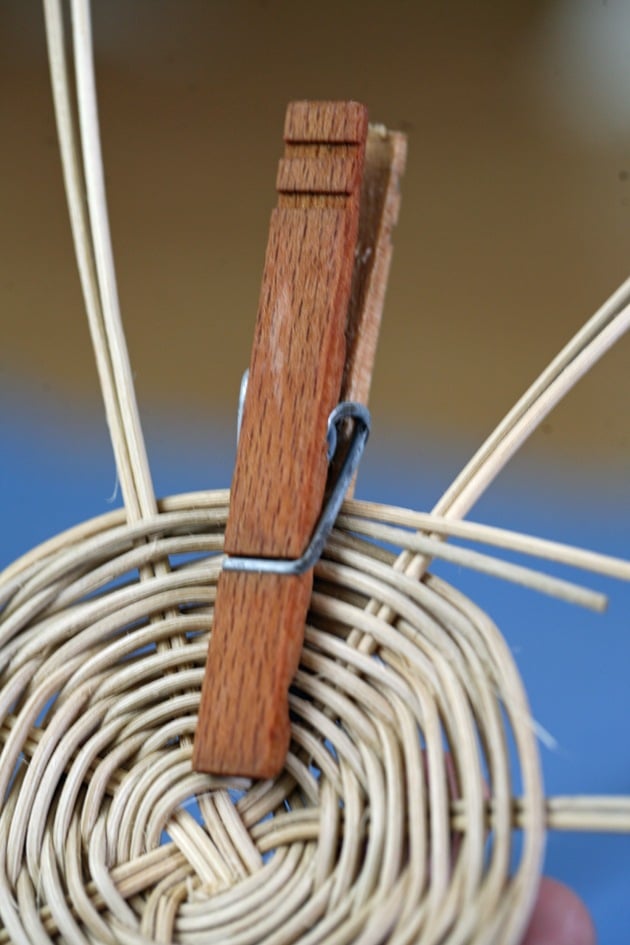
(394, 819)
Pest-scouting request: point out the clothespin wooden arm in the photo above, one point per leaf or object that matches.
(379, 206)
(295, 380)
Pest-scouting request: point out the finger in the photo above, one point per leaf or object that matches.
(559, 918)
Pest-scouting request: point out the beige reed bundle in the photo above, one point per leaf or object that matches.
(370, 834)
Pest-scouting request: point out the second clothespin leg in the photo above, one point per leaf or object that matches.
(385, 157)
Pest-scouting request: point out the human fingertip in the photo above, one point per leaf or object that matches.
(559, 918)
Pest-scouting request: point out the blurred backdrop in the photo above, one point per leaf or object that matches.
(515, 226)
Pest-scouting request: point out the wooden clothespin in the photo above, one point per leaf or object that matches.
(315, 340)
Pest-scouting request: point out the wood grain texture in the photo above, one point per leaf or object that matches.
(257, 638)
(326, 122)
(281, 467)
(385, 157)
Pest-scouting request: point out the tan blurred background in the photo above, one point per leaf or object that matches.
(515, 221)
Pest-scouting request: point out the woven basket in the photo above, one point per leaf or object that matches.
(369, 834)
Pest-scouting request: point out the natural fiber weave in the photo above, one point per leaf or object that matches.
(352, 843)
(372, 833)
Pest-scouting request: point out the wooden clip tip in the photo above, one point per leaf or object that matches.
(329, 122)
